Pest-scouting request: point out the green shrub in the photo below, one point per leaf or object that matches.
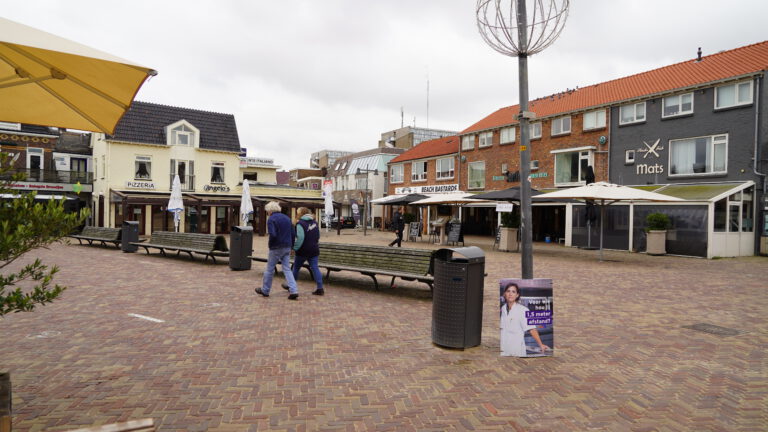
(408, 217)
(657, 222)
(510, 219)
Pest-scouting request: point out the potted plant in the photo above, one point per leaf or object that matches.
(656, 226)
(510, 224)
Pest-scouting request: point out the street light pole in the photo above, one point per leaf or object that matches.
(504, 26)
(359, 172)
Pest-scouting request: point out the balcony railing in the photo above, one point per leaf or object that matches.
(187, 183)
(50, 176)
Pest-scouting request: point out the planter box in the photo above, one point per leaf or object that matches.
(508, 240)
(656, 243)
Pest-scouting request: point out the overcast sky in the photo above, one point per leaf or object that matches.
(303, 76)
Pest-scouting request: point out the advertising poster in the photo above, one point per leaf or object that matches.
(526, 318)
(355, 211)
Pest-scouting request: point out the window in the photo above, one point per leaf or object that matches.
(143, 168)
(217, 172)
(251, 177)
(396, 174)
(444, 168)
(419, 171)
(476, 175)
(504, 168)
(468, 142)
(702, 155)
(594, 120)
(561, 126)
(629, 157)
(535, 130)
(182, 135)
(486, 139)
(733, 95)
(10, 126)
(633, 113)
(571, 167)
(678, 105)
(507, 135)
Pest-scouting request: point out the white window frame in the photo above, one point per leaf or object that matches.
(141, 159)
(442, 173)
(473, 166)
(485, 139)
(676, 101)
(736, 93)
(635, 117)
(585, 153)
(10, 126)
(597, 123)
(629, 157)
(396, 173)
(182, 128)
(507, 135)
(713, 142)
(535, 130)
(35, 151)
(214, 166)
(559, 127)
(419, 171)
(468, 142)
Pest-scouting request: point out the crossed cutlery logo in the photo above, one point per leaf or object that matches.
(651, 149)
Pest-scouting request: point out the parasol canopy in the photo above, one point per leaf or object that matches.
(51, 81)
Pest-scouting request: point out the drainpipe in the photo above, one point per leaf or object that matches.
(757, 129)
(755, 159)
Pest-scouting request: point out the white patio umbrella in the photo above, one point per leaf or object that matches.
(328, 194)
(176, 203)
(51, 81)
(246, 205)
(605, 194)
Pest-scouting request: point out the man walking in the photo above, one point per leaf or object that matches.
(398, 225)
(280, 231)
(307, 248)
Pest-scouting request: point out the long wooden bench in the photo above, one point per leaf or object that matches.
(103, 235)
(209, 245)
(404, 263)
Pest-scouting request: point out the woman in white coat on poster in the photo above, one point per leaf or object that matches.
(514, 324)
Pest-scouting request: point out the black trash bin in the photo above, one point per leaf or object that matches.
(240, 247)
(129, 235)
(457, 298)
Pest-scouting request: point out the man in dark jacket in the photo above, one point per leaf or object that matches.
(280, 243)
(398, 224)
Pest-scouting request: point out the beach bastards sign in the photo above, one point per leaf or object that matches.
(527, 318)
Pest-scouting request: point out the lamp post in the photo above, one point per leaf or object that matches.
(360, 172)
(504, 25)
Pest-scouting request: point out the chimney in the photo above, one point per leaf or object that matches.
(699, 55)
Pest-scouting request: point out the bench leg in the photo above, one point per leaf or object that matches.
(375, 282)
(80, 241)
(392, 283)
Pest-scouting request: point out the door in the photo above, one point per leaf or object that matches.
(733, 237)
(78, 168)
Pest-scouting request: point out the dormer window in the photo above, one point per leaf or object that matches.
(182, 133)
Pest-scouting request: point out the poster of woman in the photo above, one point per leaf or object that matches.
(526, 317)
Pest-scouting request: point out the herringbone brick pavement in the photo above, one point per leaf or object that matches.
(356, 359)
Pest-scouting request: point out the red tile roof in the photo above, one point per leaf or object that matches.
(735, 63)
(431, 148)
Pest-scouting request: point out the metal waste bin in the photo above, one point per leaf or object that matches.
(457, 297)
(240, 247)
(129, 235)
